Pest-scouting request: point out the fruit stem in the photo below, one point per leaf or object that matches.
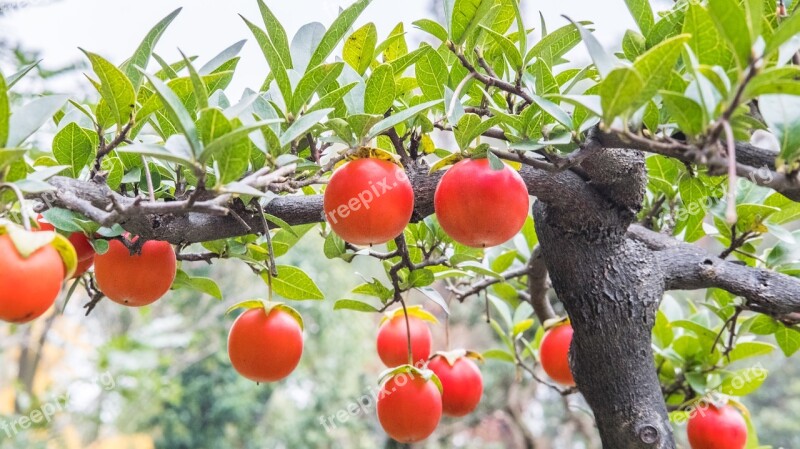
(26, 220)
(408, 332)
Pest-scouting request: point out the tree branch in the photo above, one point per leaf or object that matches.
(689, 267)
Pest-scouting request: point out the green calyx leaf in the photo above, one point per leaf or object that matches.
(268, 307)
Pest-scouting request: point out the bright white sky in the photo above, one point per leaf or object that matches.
(113, 28)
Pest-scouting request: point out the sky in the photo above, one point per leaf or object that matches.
(114, 28)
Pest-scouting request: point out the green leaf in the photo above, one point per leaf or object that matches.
(29, 118)
(706, 41)
(142, 54)
(469, 127)
(421, 278)
(394, 46)
(200, 284)
(782, 115)
(374, 288)
(336, 32)
(333, 98)
(313, 81)
(642, 13)
(399, 117)
(73, 146)
(603, 61)
(618, 92)
(499, 354)
(359, 48)
(353, 304)
(5, 112)
(399, 65)
(276, 34)
(508, 49)
(556, 44)
(731, 22)
(686, 112)
(220, 61)
(200, 92)
(233, 137)
(662, 331)
(655, 67)
(294, 283)
(115, 88)
(788, 339)
(432, 74)
(764, 325)
(789, 28)
(156, 152)
(669, 25)
(380, 91)
(432, 27)
(466, 16)
(554, 111)
(276, 65)
(302, 125)
(177, 114)
(744, 381)
(633, 45)
(13, 78)
(749, 349)
(544, 81)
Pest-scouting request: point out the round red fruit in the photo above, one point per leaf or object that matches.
(368, 201)
(478, 206)
(139, 279)
(265, 346)
(554, 354)
(28, 285)
(409, 407)
(712, 427)
(392, 340)
(462, 384)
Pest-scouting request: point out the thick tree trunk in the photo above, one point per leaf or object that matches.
(611, 287)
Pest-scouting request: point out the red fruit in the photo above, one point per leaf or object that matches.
(409, 408)
(265, 346)
(716, 428)
(135, 280)
(554, 354)
(368, 201)
(79, 241)
(28, 286)
(462, 384)
(478, 206)
(82, 267)
(393, 340)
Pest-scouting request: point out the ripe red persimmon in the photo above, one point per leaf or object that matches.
(265, 346)
(409, 407)
(28, 286)
(139, 279)
(478, 206)
(554, 354)
(368, 201)
(392, 340)
(462, 383)
(712, 427)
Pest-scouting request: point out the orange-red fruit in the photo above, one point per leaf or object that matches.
(368, 201)
(711, 427)
(28, 287)
(554, 354)
(478, 206)
(392, 341)
(409, 408)
(265, 347)
(462, 384)
(135, 280)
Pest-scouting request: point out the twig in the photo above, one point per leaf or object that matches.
(273, 268)
(489, 81)
(103, 149)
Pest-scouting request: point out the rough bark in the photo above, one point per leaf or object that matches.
(611, 288)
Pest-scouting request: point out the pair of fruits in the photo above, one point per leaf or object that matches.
(370, 201)
(413, 399)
